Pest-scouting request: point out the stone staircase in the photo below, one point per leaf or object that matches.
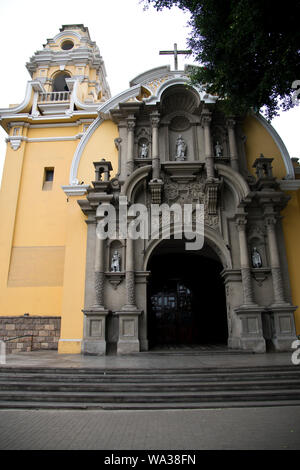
(115, 389)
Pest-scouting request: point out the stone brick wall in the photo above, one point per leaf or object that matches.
(45, 333)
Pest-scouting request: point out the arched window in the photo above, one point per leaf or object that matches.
(59, 82)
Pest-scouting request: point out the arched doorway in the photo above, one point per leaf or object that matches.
(59, 82)
(186, 297)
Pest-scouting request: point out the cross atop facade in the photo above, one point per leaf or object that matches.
(175, 52)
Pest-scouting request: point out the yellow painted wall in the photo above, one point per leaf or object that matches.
(260, 141)
(36, 225)
(291, 228)
(43, 250)
(101, 145)
(74, 280)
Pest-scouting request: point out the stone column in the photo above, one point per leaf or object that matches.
(270, 223)
(209, 160)
(130, 281)
(232, 145)
(94, 341)
(130, 144)
(128, 341)
(155, 149)
(244, 260)
(251, 335)
(281, 312)
(99, 272)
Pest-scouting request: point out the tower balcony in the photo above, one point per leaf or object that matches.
(55, 102)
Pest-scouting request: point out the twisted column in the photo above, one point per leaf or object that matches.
(99, 271)
(130, 268)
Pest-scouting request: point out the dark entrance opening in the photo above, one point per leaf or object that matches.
(186, 300)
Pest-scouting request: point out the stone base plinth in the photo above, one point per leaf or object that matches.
(94, 340)
(283, 325)
(251, 338)
(128, 341)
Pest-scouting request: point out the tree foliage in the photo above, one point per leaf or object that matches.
(248, 51)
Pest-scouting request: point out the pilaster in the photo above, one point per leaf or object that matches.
(128, 340)
(130, 143)
(209, 160)
(155, 149)
(232, 144)
(251, 337)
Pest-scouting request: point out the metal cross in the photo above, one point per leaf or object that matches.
(175, 52)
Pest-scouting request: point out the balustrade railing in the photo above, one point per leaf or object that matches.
(54, 96)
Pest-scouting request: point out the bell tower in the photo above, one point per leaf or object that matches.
(70, 59)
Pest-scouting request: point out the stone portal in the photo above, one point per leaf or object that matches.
(186, 298)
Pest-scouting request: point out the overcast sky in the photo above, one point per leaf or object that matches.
(129, 39)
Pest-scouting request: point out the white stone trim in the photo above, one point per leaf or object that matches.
(290, 173)
(32, 86)
(75, 190)
(289, 185)
(15, 141)
(66, 32)
(113, 102)
(155, 73)
(57, 117)
(61, 124)
(179, 79)
(102, 110)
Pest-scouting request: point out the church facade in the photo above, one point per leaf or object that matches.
(83, 175)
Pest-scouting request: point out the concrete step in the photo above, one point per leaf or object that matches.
(82, 388)
(139, 375)
(4, 369)
(146, 379)
(36, 405)
(151, 397)
(148, 386)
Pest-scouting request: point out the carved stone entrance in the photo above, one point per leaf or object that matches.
(186, 297)
(178, 148)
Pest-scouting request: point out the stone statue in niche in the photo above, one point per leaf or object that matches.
(144, 150)
(218, 149)
(256, 258)
(180, 149)
(116, 262)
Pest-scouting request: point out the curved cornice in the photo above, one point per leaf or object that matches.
(102, 110)
(32, 86)
(290, 173)
(211, 237)
(134, 179)
(179, 79)
(236, 180)
(66, 33)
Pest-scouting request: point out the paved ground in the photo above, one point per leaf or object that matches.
(175, 359)
(250, 429)
(238, 428)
